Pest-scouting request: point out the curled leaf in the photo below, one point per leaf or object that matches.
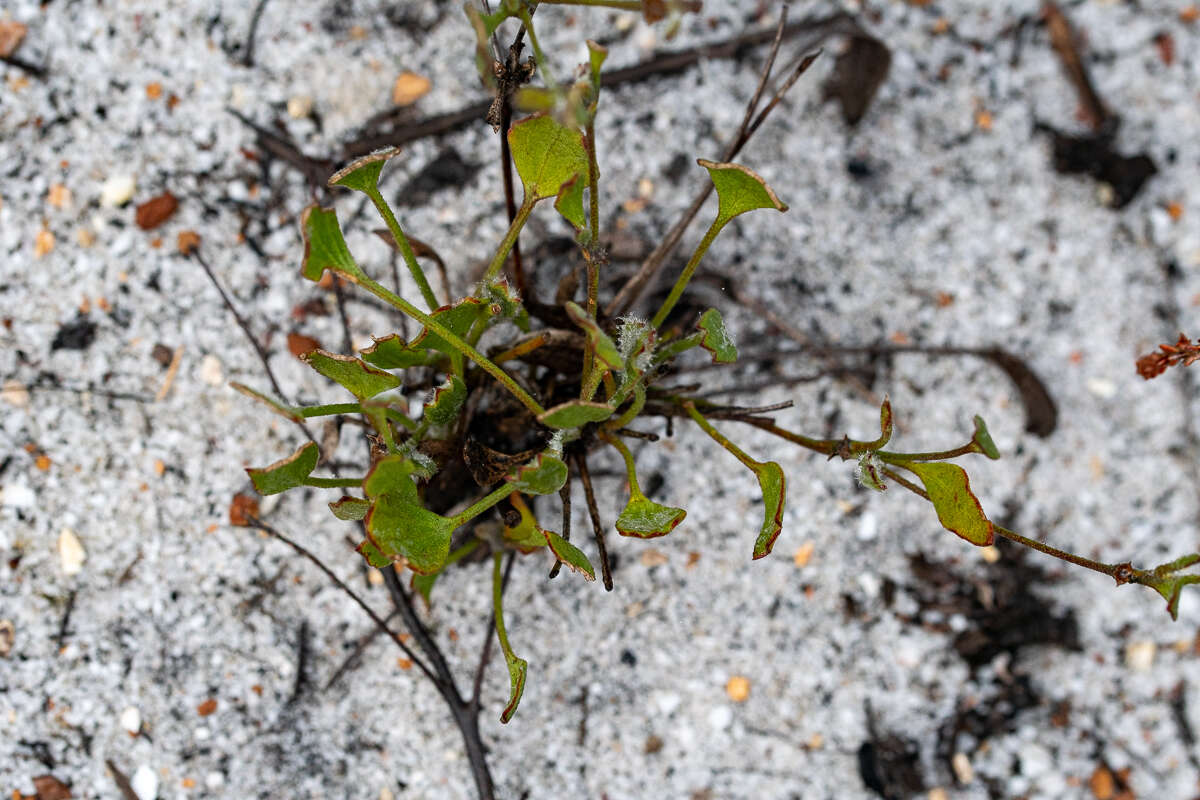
(570, 555)
(716, 338)
(362, 174)
(957, 507)
(739, 189)
(350, 508)
(574, 414)
(358, 377)
(324, 246)
(392, 352)
(287, 473)
(545, 474)
(773, 483)
(287, 412)
(598, 341)
(982, 440)
(448, 400)
(525, 536)
(517, 670)
(647, 519)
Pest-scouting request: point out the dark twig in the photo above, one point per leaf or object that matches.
(248, 50)
(36, 70)
(564, 495)
(121, 780)
(351, 661)
(597, 527)
(242, 323)
(303, 634)
(370, 612)
(315, 170)
(64, 625)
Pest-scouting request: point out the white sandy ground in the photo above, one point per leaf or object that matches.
(174, 607)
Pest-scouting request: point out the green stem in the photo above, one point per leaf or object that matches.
(686, 276)
(332, 483)
(329, 410)
(510, 238)
(441, 330)
(538, 56)
(707, 427)
(621, 5)
(942, 455)
(477, 508)
(635, 408)
(593, 197)
(1110, 570)
(406, 250)
(498, 606)
(635, 490)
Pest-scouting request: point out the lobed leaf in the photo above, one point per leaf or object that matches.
(546, 154)
(359, 378)
(739, 189)
(575, 414)
(350, 508)
(545, 474)
(517, 670)
(773, 483)
(716, 338)
(287, 473)
(399, 527)
(448, 400)
(392, 352)
(647, 519)
(324, 246)
(570, 555)
(458, 319)
(363, 174)
(569, 203)
(958, 509)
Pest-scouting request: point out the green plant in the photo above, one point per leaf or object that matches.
(504, 423)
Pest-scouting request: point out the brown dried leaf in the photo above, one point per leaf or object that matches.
(299, 344)
(207, 708)
(11, 34)
(48, 787)
(187, 242)
(243, 509)
(409, 88)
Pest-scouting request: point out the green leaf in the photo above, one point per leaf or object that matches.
(596, 55)
(886, 426)
(287, 412)
(448, 400)
(517, 670)
(598, 341)
(392, 352)
(983, 440)
(570, 555)
(1163, 580)
(350, 508)
(458, 319)
(716, 339)
(324, 246)
(569, 203)
(287, 473)
(773, 483)
(575, 414)
(545, 474)
(958, 509)
(399, 527)
(546, 155)
(739, 190)
(363, 174)
(504, 303)
(359, 378)
(647, 519)
(373, 555)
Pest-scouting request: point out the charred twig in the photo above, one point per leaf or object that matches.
(302, 652)
(315, 170)
(248, 49)
(351, 661)
(564, 495)
(121, 780)
(36, 70)
(64, 624)
(597, 527)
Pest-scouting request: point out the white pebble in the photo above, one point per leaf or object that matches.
(300, 106)
(131, 720)
(117, 190)
(868, 527)
(666, 702)
(1102, 388)
(720, 717)
(17, 495)
(1139, 656)
(210, 370)
(145, 783)
(70, 552)
(963, 770)
(214, 780)
(15, 394)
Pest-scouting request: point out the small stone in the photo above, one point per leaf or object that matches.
(1102, 388)
(59, 196)
(131, 721)
(738, 688)
(145, 783)
(214, 780)
(938, 793)
(409, 88)
(653, 558)
(386, 794)
(815, 742)
(156, 211)
(804, 554)
(48, 787)
(1139, 656)
(963, 770)
(154, 90)
(187, 242)
(15, 394)
(8, 635)
(17, 495)
(666, 702)
(11, 34)
(1102, 783)
(71, 554)
(207, 708)
(210, 370)
(300, 106)
(654, 744)
(43, 243)
(117, 191)
(720, 717)
(990, 554)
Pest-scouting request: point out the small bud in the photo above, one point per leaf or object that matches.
(870, 471)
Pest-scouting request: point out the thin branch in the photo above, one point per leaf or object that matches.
(597, 527)
(486, 654)
(248, 50)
